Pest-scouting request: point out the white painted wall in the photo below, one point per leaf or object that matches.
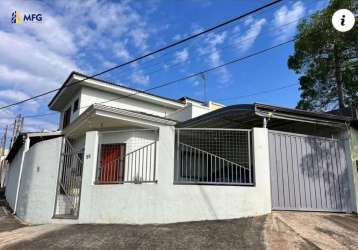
(90, 96)
(12, 179)
(4, 166)
(38, 183)
(189, 111)
(165, 202)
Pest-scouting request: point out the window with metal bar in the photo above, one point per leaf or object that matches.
(111, 163)
(213, 156)
(137, 161)
(66, 118)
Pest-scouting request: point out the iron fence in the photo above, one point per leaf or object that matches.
(130, 158)
(69, 181)
(141, 164)
(214, 156)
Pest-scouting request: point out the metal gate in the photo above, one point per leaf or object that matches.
(308, 173)
(69, 182)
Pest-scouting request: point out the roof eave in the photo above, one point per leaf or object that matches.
(159, 100)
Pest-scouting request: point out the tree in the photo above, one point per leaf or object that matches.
(326, 61)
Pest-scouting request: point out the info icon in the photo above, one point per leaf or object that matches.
(343, 20)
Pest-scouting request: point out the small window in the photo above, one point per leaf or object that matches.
(111, 163)
(66, 118)
(75, 106)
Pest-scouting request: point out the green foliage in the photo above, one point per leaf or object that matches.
(324, 55)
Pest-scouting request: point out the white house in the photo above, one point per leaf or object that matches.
(125, 156)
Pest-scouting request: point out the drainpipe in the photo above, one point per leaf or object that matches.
(265, 122)
(26, 148)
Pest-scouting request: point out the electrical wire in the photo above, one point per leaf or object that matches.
(174, 44)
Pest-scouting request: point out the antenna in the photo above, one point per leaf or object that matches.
(204, 78)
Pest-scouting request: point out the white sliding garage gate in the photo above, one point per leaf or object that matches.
(308, 173)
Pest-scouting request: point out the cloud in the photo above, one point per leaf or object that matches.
(36, 68)
(121, 51)
(11, 95)
(139, 77)
(36, 57)
(140, 37)
(214, 56)
(286, 15)
(181, 56)
(244, 42)
(34, 125)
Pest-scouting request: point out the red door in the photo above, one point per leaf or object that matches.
(112, 163)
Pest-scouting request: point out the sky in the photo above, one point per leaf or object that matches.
(91, 36)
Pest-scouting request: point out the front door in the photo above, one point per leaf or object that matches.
(111, 169)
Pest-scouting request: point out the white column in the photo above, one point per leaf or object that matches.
(262, 164)
(88, 173)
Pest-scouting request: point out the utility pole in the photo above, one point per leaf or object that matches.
(18, 125)
(3, 142)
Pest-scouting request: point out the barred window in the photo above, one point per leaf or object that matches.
(111, 163)
(213, 156)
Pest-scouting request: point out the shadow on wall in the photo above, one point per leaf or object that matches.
(324, 163)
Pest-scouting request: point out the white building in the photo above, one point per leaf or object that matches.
(125, 156)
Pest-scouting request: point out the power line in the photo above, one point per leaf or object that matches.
(151, 53)
(232, 44)
(198, 74)
(185, 77)
(258, 93)
(190, 45)
(122, 73)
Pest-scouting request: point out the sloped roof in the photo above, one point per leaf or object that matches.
(117, 86)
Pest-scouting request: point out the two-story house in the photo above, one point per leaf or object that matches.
(123, 155)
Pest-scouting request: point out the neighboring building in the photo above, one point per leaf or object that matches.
(125, 156)
(26, 158)
(3, 167)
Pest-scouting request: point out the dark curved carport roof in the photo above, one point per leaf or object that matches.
(251, 115)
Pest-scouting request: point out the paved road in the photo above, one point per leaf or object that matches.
(283, 230)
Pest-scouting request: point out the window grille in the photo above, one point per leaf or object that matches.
(213, 156)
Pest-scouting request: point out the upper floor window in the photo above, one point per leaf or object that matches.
(75, 106)
(66, 118)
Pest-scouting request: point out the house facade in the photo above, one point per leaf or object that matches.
(126, 156)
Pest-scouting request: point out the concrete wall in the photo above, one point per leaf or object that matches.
(4, 166)
(165, 202)
(12, 179)
(38, 183)
(354, 153)
(90, 96)
(190, 111)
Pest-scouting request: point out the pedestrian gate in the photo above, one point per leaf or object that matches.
(69, 182)
(308, 173)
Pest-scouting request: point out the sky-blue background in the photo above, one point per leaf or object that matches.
(90, 36)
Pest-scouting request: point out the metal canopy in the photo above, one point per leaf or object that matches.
(251, 115)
